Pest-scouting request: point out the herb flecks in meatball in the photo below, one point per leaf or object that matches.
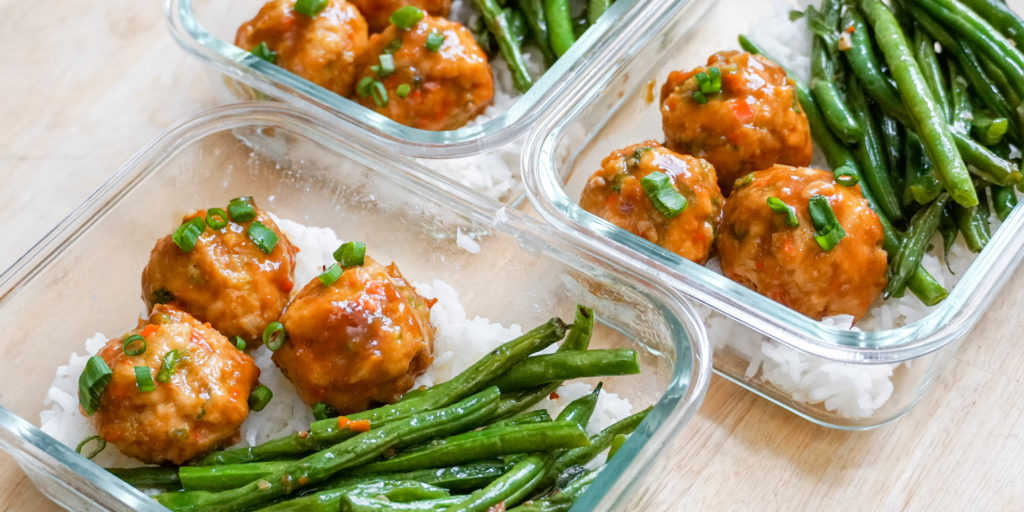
(237, 277)
(323, 48)
(360, 339)
(770, 242)
(199, 396)
(750, 123)
(616, 193)
(431, 75)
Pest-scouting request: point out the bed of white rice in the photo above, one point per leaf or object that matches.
(460, 341)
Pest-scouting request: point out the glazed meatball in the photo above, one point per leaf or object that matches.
(378, 12)
(753, 123)
(362, 339)
(443, 89)
(762, 251)
(200, 406)
(227, 279)
(615, 193)
(322, 49)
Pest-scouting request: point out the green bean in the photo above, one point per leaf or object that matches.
(538, 416)
(826, 92)
(922, 185)
(869, 153)
(1004, 200)
(311, 470)
(226, 476)
(335, 500)
(892, 135)
(974, 226)
(465, 477)
(580, 410)
(949, 231)
(567, 365)
(924, 51)
(984, 163)
(923, 110)
(559, 25)
(922, 227)
(1001, 17)
(506, 489)
(533, 11)
(562, 499)
(865, 66)
(498, 23)
(149, 477)
(598, 443)
(325, 433)
(988, 130)
(595, 8)
(923, 284)
(364, 503)
(484, 444)
(1002, 87)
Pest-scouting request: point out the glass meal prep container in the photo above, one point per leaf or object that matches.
(207, 28)
(848, 379)
(516, 270)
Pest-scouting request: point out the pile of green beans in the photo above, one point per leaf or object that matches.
(921, 100)
(465, 444)
(552, 25)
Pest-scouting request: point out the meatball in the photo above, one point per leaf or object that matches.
(378, 12)
(364, 338)
(753, 123)
(430, 90)
(760, 250)
(615, 194)
(227, 279)
(322, 49)
(197, 410)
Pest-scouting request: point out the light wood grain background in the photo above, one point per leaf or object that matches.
(83, 85)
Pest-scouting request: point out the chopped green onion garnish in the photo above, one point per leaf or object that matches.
(162, 296)
(434, 41)
(322, 411)
(92, 383)
(241, 210)
(666, 199)
(330, 275)
(407, 16)
(170, 362)
(144, 379)
(310, 7)
(274, 336)
(350, 254)
(699, 97)
(364, 85)
(710, 82)
(101, 444)
(393, 46)
(846, 177)
(260, 397)
(240, 343)
(638, 154)
(386, 66)
(187, 234)
(403, 90)
(263, 52)
(262, 236)
(828, 230)
(138, 349)
(379, 93)
(216, 218)
(747, 179)
(778, 206)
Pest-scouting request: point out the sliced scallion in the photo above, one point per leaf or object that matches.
(403, 90)
(386, 66)
(364, 85)
(241, 209)
(778, 206)
(187, 234)
(144, 379)
(216, 218)
(329, 276)
(101, 444)
(260, 397)
(350, 254)
(322, 411)
(167, 366)
(262, 51)
(310, 7)
(240, 343)
(434, 41)
(710, 81)
(846, 176)
(134, 345)
(274, 336)
(393, 46)
(379, 93)
(262, 236)
(92, 383)
(828, 231)
(406, 17)
(666, 199)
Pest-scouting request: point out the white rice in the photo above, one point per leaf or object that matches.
(460, 341)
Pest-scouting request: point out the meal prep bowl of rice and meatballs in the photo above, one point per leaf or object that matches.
(325, 326)
(867, 167)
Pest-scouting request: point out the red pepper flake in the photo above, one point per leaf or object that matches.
(342, 422)
(304, 434)
(500, 507)
(553, 396)
(359, 426)
(742, 111)
(851, 29)
(149, 330)
(303, 480)
(199, 340)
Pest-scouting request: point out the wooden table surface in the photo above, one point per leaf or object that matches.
(86, 84)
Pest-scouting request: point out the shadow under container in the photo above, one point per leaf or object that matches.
(746, 328)
(87, 271)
